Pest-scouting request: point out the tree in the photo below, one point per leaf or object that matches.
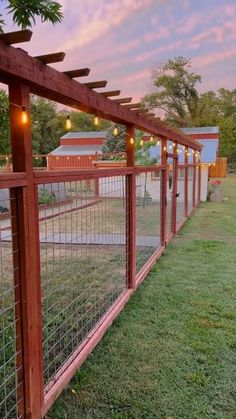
(47, 125)
(115, 143)
(24, 12)
(5, 147)
(174, 91)
(82, 121)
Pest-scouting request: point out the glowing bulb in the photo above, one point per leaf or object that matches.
(57, 158)
(174, 144)
(141, 142)
(164, 148)
(151, 138)
(96, 120)
(158, 142)
(68, 123)
(115, 131)
(170, 147)
(131, 140)
(24, 116)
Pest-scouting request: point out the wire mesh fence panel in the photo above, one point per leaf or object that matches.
(147, 216)
(83, 263)
(11, 369)
(190, 189)
(180, 213)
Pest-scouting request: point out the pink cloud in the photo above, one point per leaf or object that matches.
(208, 59)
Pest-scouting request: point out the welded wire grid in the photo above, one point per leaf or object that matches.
(190, 189)
(83, 263)
(148, 186)
(180, 213)
(11, 370)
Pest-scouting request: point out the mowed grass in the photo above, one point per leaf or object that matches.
(172, 352)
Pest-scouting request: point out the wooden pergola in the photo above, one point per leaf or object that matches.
(27, 75)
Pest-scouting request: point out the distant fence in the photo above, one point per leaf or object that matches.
(98, 234)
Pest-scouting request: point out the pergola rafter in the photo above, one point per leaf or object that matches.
(45, 81)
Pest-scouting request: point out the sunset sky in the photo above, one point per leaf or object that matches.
(121, 40)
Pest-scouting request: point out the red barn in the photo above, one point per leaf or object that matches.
(76, 150)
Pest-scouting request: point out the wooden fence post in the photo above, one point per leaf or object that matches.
(186, 182)
(131, 210)
(174, 188)
(163, 192)
(194, 179)
(26, 229)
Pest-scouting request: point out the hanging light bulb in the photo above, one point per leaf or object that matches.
(141, 142)
(131, 140)
(115, 131)
(24, 116)
(164, 148)
(158, 142)
(96, 120)
(68, 123)
(151, 138)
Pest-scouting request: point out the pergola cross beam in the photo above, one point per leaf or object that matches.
(45, 81)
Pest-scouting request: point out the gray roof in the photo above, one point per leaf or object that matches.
(201, 130)
(77, 150)
(87, 134)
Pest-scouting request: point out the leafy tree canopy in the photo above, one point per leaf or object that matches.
(174, 91)
(24, 12)
(115, 143)
(5, 147)
(82, 121)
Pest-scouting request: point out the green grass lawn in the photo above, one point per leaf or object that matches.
(172, 351)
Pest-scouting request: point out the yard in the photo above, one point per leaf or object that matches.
(171, 353)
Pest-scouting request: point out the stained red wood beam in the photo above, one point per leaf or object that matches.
(51, 84)
(123, 100)
(80, 72)
(132, 106)
(140, 111)
(149, 115)
(96, 84)
(16, 37)
(56, 57)
(111, 93)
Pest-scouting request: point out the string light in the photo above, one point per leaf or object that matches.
(164, 148)
(96, 121)
(141, 142)
(158, 142)
(24, 116)
(151, 138)
(131, 140)
(115, 131)
(68, 124)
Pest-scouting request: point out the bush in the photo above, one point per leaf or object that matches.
(45, 198)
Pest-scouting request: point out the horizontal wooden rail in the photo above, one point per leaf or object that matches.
(12, 180)
(72, 175)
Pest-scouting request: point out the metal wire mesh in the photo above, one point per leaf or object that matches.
(148, 195)
(180, 214)
(190, 189)
(83, 262)
(11, 365)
